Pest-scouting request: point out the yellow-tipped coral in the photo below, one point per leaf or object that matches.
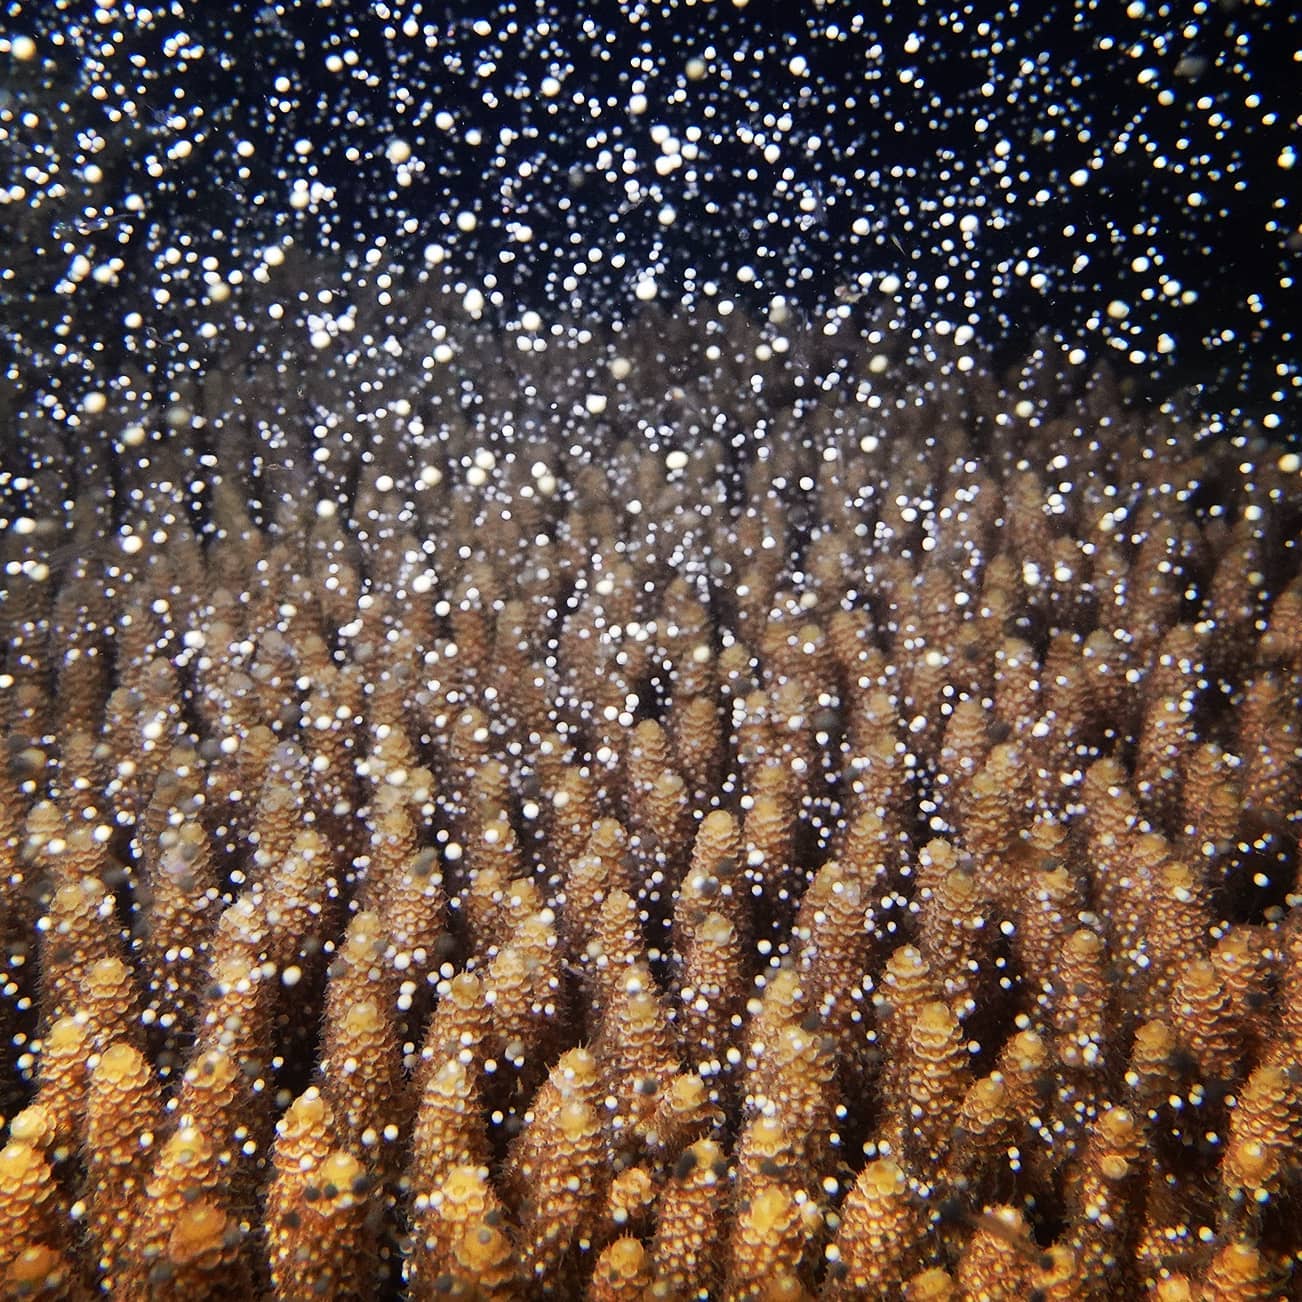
(805, 830)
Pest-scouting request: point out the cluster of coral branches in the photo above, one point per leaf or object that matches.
(831, 830)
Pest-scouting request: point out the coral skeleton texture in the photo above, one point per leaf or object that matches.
(859, 861)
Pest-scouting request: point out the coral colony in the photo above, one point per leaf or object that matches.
(650, 651)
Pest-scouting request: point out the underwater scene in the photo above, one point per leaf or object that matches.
(651, 650)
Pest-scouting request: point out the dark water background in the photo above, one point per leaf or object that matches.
(891, 123)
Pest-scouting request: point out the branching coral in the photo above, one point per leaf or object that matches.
(862, 860)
